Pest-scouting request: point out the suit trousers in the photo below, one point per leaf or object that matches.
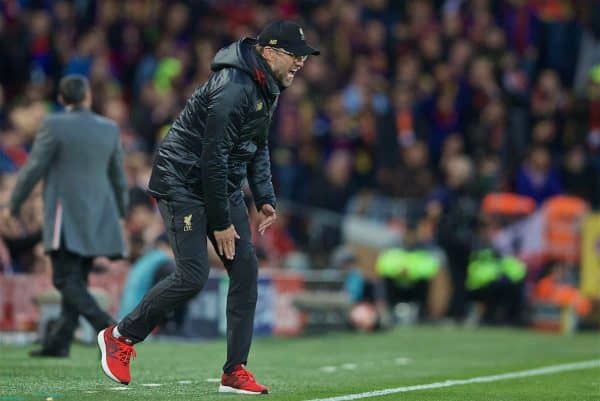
(70, 276)
(187, 227)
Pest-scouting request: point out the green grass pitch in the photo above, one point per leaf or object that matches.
(326, 366)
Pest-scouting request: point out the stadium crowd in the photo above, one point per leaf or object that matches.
(434, 103)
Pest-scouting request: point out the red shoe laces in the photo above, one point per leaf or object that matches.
(244, 374)
(126, 352)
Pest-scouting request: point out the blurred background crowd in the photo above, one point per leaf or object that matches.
(415, 112)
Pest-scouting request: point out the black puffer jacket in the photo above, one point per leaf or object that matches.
(220, 137)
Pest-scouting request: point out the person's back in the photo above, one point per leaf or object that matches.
(78, 156)
(86, 140)
(79, 177)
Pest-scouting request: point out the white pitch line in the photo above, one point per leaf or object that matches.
(184, 382)
(213, 380)
(547, 370)
(119, 388)
(151, 384)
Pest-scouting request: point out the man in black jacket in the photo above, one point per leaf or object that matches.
(219, 138)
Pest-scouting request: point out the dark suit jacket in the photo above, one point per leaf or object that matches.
(78, 155)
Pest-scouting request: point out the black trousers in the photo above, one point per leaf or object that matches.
(504, 302)
(70, 276)
(186, 223)
(416, 292)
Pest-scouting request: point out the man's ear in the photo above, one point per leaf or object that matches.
(266, 54)
(87, 101)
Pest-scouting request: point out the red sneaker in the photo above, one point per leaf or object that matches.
(241, 381)
(116, 355)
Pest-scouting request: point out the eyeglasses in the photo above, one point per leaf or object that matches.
(292, 55)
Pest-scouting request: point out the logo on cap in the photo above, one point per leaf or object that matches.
(301, 33)
(273, 41)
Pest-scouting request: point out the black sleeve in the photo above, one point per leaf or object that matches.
(225, 110)
(259, 177)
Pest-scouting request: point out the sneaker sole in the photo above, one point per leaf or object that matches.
(102, 347)
(227, 389)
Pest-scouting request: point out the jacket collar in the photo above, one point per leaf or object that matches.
(263, 74)
(243, 55)
(77, 109)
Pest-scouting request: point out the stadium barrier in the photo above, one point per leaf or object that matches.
(282, 310)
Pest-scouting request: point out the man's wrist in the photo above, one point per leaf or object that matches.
(260, 206)
(221, 227)
(12, 210)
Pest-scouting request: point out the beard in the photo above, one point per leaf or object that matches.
(285, 81)
(285, 78)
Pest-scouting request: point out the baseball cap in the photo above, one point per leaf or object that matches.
(286, 35)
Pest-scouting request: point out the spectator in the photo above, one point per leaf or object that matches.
(20, 239)
(401, 126)
(591, 115)
(361, 290)
(412, 274)
(333, 189)
(548, 99)
(411, 177)
(357, 286)
(495, 282)
(537, 178)
(579, 177)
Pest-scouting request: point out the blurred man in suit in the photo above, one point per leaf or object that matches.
(78, 155)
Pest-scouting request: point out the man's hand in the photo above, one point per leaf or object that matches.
(9, 225)
(266, 217)
(226, 241)
(5, 213)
